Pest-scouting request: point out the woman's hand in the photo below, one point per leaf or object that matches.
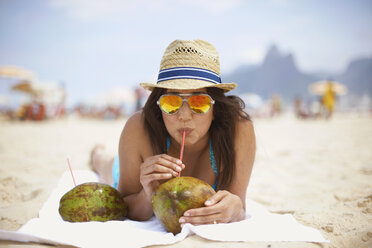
(157, 168)
(223, 207)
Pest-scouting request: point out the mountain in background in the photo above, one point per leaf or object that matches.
(279, 74)
(358, 77)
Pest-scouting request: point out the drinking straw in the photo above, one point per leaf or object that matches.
(69, 165)
(183, 144)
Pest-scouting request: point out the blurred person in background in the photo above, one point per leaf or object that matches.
(328, 101)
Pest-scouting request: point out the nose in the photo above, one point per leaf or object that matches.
(184, 113)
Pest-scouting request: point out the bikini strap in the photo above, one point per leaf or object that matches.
(168, 143)
(212, 158)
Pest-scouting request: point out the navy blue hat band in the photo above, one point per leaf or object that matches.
(188, 73)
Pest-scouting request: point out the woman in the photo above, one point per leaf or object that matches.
(219, 137)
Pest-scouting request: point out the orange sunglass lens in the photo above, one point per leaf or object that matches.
(200, 103)
(170, 104)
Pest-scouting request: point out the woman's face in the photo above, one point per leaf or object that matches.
(195, 125)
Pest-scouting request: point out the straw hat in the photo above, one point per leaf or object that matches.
(188, 65)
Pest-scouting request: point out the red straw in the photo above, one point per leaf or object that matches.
(69, 165)
(183, 144)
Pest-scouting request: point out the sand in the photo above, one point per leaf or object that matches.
(320, 171)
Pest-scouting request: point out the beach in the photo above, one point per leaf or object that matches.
(320, 171)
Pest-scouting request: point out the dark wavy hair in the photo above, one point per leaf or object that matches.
(227, 111)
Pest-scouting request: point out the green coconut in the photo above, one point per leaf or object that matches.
(172, 198)
(92, 202)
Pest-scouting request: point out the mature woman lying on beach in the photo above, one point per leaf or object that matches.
(219, 143)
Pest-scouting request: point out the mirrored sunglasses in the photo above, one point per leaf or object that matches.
(199, 103)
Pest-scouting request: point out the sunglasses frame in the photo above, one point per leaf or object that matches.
(185, 100)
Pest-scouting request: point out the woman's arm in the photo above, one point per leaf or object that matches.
(245, 150)
(140, 170)
(130, 158)
(228, 205)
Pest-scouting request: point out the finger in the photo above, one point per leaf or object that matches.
(205, 215)
(170, 158)
(167, 161)
(216, 198)
(203, 211)
(162, 160)
(199, 220)
(211, 206)
(172, 163)
(157, 168)
(155, 177)
(173, 160)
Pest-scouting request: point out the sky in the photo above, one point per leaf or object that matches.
(92, 46)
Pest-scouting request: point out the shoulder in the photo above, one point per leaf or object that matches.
(243, 125)
(134, 131)
(245, 134)
(135, 123)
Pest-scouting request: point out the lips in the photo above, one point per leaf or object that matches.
(187, 130)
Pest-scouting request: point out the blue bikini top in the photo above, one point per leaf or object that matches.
(211, 158)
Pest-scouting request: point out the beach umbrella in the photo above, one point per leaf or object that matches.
(24, 86)
(48, 92)
(11, 71)
(319, 87)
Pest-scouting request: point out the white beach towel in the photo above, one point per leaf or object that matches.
(260, 225)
